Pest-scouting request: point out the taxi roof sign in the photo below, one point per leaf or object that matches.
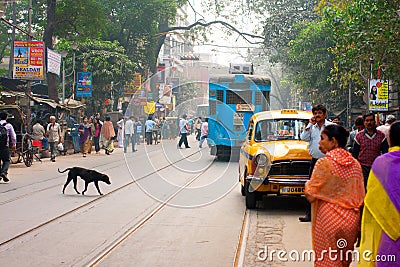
(289, 111)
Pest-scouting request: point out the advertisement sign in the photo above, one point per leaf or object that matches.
(134, 86)
(28, 60)
(378, 95)
(84, 84)
(53, 62)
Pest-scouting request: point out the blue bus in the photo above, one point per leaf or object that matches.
(233, 99)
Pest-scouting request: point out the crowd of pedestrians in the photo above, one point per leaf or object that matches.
(346, 188)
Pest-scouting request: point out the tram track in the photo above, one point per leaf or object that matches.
(119, 240)
(80, 207)
(49, 187)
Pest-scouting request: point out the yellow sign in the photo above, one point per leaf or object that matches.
(134, 86)
(150, 108)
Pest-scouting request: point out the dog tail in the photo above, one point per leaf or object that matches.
(63, 170)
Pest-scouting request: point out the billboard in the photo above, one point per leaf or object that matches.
(84, 84)
(28, 60)
(378, 95)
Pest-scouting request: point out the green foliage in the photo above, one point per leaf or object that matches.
(310, 62)
(366, 29)
(79, 19)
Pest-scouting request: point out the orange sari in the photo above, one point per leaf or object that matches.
(337, 184)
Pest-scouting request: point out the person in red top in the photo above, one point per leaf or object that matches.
(368, 145)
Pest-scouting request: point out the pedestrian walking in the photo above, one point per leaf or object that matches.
(381, 216)
(203, 132)
(108, 134)
(368, 145)
(120, 134)
(336, 192)
(96, 134)
(85, 133)
(312, 134)
(129, 134)
(184, 128)
(359, 124)
(54, 136)
(197, 126)
(149, 126)
(138, 130)
(8, 139)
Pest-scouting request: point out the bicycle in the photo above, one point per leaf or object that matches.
(26, 152)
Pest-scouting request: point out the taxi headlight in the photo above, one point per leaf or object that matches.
(261, 160)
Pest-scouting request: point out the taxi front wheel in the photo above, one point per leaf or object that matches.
(251, 197)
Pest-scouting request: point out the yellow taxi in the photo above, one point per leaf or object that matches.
(273, 158)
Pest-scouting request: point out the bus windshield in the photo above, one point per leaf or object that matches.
(279, 129)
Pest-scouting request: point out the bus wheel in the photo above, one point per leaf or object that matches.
(251, 198)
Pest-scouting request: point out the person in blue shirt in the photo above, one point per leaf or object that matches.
(149, 125)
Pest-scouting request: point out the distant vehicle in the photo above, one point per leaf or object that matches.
(233, 99)
(273, 159)
(202, 111)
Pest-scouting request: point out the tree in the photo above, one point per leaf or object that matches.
(366, 29)
(108, 63)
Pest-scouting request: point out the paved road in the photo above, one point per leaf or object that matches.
(199, 226)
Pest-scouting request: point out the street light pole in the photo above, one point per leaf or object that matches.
(63, 55)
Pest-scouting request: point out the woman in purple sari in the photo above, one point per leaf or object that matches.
(85, 132)
(380, 228)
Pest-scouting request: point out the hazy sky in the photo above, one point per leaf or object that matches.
(224, 48)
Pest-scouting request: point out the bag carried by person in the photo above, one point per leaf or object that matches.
(3, 135)
(110, 146)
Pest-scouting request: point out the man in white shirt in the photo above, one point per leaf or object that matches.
(129, 134)
(312, 134)
(183, 129)
(385, 128)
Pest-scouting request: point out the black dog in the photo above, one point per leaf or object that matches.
(87, 175)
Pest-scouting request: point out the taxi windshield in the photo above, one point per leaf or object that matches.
(279, 129)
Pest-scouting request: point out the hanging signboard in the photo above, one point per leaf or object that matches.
(28, 60)
(378, 95)
(84, 84)
(53, 62)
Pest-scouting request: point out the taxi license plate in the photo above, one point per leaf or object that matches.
(292, 190)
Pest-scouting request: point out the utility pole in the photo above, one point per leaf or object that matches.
(14, 19)
(28, 84)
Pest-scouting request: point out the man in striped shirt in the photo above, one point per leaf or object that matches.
(368, 145)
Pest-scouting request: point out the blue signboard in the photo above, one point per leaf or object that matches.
(84, 84)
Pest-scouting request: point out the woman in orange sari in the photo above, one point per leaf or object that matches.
(108, 133)
(336, 191)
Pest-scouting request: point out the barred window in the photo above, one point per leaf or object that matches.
(258, 98)
(220, 95)
(238, 97)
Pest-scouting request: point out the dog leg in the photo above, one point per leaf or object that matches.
(86, 185)
(96, 183)
(69, 179)
(75, 179)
